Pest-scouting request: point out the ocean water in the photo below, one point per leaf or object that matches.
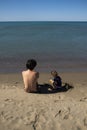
(60, 46)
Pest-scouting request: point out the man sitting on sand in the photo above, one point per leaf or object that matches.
(30, 77)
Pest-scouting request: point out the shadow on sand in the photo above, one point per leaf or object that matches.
(48, 89)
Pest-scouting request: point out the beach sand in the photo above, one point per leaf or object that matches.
(54, 111)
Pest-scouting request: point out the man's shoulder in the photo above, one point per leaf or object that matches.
(24, 72)
(36, 73)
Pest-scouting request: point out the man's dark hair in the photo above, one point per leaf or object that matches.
(31, 64)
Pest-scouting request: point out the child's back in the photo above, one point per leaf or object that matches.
(57, 81)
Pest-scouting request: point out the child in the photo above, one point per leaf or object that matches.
(57, 81)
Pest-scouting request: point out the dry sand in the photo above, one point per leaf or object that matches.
(58, 111)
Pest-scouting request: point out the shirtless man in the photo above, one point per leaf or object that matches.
(30, 77)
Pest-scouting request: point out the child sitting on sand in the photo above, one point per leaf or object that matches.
(57, 81)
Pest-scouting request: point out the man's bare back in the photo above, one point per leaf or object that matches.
(30, 77)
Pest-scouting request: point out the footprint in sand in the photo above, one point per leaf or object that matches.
(60, 98)
(64, 114)
(84, 99)
(85, 121)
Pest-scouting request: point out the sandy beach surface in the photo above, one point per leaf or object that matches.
(51, 111)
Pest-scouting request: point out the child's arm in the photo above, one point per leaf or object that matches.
(51, 81)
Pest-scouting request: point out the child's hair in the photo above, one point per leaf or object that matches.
(54, 73)
(31, 64)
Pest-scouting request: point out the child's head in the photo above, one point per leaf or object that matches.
(31, 64)
(54, 73)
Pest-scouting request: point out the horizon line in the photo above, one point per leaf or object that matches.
(44, 21)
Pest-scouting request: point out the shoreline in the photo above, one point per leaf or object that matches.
(44, 77)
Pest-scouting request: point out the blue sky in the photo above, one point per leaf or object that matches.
(43, 10)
